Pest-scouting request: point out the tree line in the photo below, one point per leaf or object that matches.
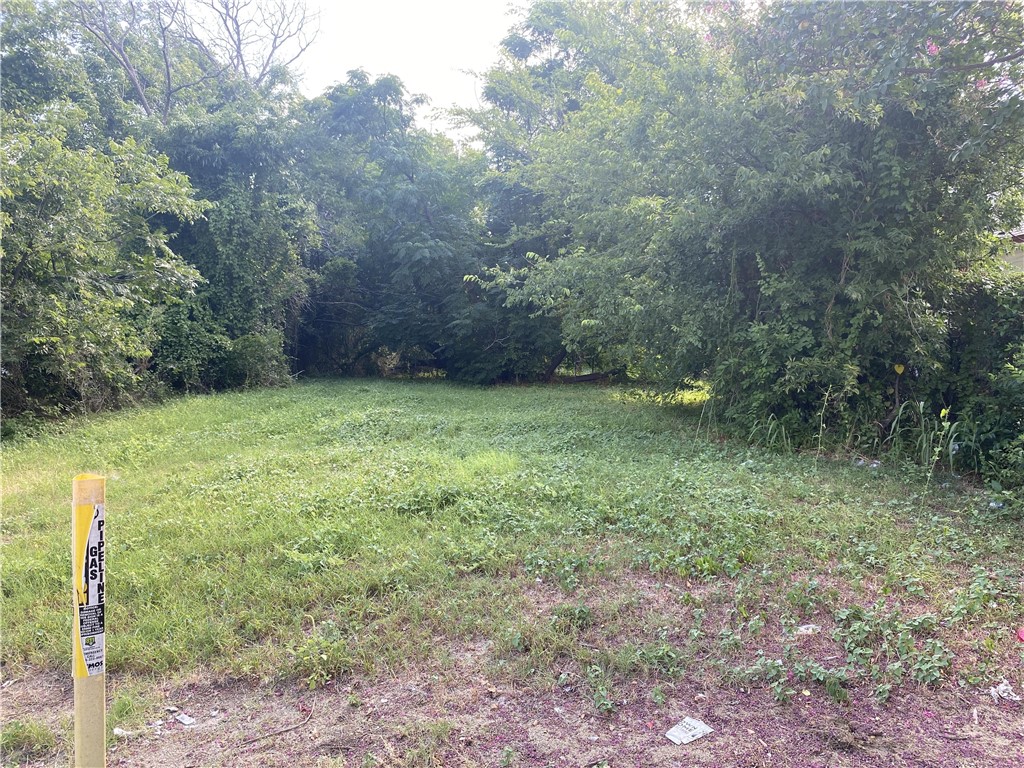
(796, 203)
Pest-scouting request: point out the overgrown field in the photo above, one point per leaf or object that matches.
(584, 539)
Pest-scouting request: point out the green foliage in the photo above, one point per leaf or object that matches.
(986, 382)
(677, 193)
(806, 596)
(658, 696)
(767, 671)
(881, 645)
(601, 690)
(191, 347)
(834, 681)
(128, 710)
(256, 360)
(986, 591)
(732, 202)
(250, 247)
(886, 644)
(661, 657)
(567, 570)
(335, 226)
(404, 239)
(322, 656)
(84, 269)
(575, 617)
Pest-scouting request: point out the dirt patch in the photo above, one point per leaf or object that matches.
(463, 718)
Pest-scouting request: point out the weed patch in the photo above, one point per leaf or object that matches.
(26, 740)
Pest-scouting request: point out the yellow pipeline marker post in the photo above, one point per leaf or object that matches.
(88, 653)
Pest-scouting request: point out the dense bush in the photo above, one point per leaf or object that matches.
(746, 206)
(255, 360)
(985, 378)
(191, 348)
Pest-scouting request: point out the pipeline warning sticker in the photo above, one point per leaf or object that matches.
(89, 574)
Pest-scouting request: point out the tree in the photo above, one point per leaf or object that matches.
(168, 48)
(84, 270)
(399, 231)
(778, 198)
(251, 245)
(254, 39)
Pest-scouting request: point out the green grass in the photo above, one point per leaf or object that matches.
(25, 740)
(337, 527)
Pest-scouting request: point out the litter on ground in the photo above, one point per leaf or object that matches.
(688, 729)
(1003, 691)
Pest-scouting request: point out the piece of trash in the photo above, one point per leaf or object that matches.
(805, 692)
(995, 505)
(1020, 634)
(122, 733)
(808, 629)
(172, 710)
(688, 729)
(185, 719)
(1003, 691)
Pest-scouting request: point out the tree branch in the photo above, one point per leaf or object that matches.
(99, 27)
(1013, 56)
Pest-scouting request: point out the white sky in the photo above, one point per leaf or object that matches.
(431, 45)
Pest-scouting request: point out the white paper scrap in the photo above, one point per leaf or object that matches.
(1003, 691)
(185, 719)
(688, 729)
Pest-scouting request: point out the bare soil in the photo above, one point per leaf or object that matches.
(462, 718)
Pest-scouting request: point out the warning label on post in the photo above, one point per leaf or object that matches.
(90, 572)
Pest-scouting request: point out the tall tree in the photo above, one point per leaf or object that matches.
(167, 49)
(778, 197)
(400, 230)
(85, 267)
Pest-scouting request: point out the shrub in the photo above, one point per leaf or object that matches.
(986, 372)
(191, 348)
(255, 360)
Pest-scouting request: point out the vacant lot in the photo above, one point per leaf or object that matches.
(419, 574)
